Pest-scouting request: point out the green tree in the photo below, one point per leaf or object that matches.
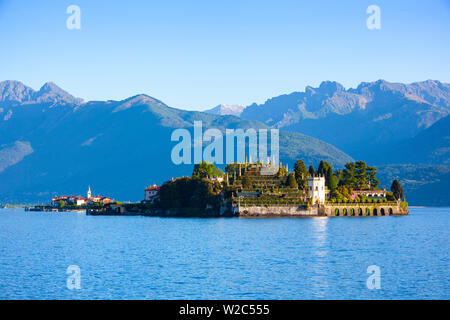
(301, 174)
(372, 177)
(61, 203)
(282, 172)
(331, 179)
(361, 175)
(184, 193)
(348, 176)
(397, 189)
(291, 182)
(341, 193)
(206, 170)
(233, 168)
(323, 168)
(311, 171)
(247, 182)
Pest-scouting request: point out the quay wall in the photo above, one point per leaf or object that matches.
(364, 209)
(328, 210)
(278, 211)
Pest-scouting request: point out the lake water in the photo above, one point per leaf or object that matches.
(280, 258)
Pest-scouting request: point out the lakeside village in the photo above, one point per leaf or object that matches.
(74, 203)
(254, 189)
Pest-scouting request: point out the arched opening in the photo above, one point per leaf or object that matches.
(345, 212)
(383, 213)
(391, 212)
(336, 212)
(367, 212)
(375, 212)
(352, 212)
(360, 212)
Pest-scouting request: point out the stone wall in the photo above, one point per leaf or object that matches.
(364, 209)
(277, 211)
(335, 210)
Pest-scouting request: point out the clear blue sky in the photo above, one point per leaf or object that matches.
(197, 54)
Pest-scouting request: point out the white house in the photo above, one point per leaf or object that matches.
(316, 189)
(151, 193)
(81, 202)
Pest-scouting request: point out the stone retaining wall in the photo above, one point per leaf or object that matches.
(339, 210)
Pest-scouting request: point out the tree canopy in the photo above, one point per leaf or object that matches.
(291, 182)
(301, 174)
(311, 171)
(397, 189)
(206, 170)
(359, 176)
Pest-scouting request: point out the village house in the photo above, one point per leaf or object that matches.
(151, 193)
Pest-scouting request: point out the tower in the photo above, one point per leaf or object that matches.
(316, 189)
(89, 194)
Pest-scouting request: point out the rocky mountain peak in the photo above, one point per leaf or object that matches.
(227, 110)
(16, 92)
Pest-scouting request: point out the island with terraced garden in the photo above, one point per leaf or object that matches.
(256, 189)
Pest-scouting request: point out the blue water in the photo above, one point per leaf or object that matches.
(281, 258)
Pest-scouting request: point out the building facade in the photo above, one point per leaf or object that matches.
(316, 190)
(151, 193)
(371, 194)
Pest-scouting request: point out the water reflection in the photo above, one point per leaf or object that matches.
(319, 282)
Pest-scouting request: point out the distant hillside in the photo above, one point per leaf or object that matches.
(431, 146)
(424, 185)
(359, 121)
(117, 147)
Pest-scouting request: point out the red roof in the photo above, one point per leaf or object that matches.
(155, 187)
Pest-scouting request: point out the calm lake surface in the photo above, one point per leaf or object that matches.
(280, 258)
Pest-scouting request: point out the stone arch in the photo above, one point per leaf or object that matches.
(391, 212)
(352, 212)
(360, 212)
(375, 212)
(336, 212)
(367, 212)
(382, 212)
(345, 212)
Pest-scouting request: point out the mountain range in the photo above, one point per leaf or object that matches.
(60, 144)
(361, 121)
(53, 143)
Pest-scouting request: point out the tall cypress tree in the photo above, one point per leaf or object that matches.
(300, 174)
(312, 173)
(331, 180)
(397, 189)
(291, 181)
(321, 169)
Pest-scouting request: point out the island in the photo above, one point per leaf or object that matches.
(256, 189)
